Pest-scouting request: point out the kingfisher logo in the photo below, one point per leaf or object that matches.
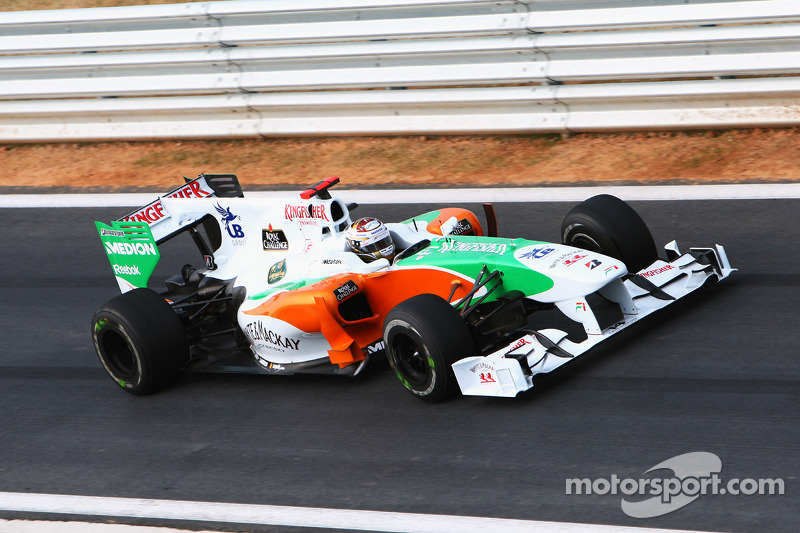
(657, 271)
(291, 212)
(154, 212)
(126, 248)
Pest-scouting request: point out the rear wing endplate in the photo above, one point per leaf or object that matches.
(131, 250)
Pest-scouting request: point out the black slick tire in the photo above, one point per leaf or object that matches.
(608, 225)
(140, 341)
(424, 335)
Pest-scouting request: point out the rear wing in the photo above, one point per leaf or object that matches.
(158, 218)
(131, 243)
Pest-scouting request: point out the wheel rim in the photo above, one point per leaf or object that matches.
(118, 355)
(585, 242)
(411, 360)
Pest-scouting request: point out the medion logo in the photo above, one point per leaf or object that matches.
(125, 248)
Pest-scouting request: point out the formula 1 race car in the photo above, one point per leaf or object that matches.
(285, 290)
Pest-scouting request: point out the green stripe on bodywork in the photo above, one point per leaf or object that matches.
(289, 286)
(466, 255)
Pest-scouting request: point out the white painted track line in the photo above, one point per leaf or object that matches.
(290, 516)
(39, 526)
(449, 196)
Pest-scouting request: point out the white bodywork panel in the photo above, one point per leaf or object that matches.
(501, 373)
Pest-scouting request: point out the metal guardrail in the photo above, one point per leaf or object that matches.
(314, 67)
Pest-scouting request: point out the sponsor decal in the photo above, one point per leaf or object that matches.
(610, 269)
(125, 248)
(154, 212)
(594, 263)
(519, 344)
(537, 253)
(462, 227)
(227, 217)
(111, 233)
(331, 261)
(345, 290)
(656, 271)
(367, 224)
(257, 332)
(210, 264)
(486, 377)
(580, 306)
(481, 366)
(574, 259)
(375, 347)
(558, 260)
(482, 247)
(274, 239)
(127, 270)
(277, 272)
(292, 212)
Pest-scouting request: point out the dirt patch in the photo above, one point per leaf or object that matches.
(32, 5)
(678, 157)
(707, 157)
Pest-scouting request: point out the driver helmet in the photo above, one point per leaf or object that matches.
(369, 238)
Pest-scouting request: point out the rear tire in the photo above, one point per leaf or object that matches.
(608, 225)
(140, 341)
(424, 336)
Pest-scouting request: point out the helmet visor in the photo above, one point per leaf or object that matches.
(376, 246)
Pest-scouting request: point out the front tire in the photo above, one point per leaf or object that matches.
(607, 225)
(424, 336)
(140, 341)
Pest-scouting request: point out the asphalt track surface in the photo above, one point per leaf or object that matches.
(718, 372)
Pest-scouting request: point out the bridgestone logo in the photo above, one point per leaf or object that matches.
(127, 270)
(111, 233)
(124, 248)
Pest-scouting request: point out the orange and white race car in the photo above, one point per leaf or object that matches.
(295, 285)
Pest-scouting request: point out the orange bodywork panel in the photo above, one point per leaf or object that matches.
(315, 308)
(435, 225)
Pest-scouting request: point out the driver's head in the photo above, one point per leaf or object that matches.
(369, 238)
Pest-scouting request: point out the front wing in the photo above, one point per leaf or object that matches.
(510, 370)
